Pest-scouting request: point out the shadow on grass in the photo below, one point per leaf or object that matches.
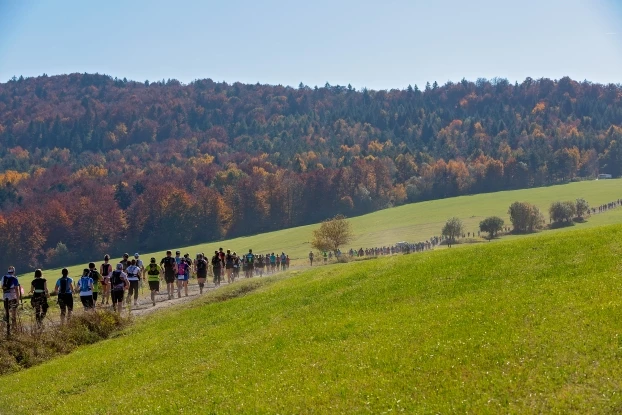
(560, 225)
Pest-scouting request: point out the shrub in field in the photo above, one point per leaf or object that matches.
(491, 225)
(562, 212)
(332, 234)
(582, 207)
(453, 228)
(525, 217)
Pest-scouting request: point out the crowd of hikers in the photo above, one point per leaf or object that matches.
(117, 284)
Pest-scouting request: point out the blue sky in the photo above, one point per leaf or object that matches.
(375, 44)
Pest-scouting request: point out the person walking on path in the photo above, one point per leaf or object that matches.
(133, 276)
(153, 278)
(64, 291)
(118, 283)
(97, 281)
(10, 295)
(39, 299)
(170, 271)
(85, 288)
(105, 270)
(201, 268)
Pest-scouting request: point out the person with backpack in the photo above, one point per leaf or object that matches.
(170, 271)
(250, 263)
(125, 261)
(236, 266)
(85, 288)
(10, 295)
(105, 270)
(201, 267)
(272, 262)
(229, 266)
(311, 257)
(96, 277)
(216, 268)
(64, 291)
(283, 260)
(153, 278)
(39, 299)
(286, 261)
(182, 277)
(141, 265)
(260, 265)
(133, 276)
(118, 283)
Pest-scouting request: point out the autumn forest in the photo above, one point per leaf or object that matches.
(92, 164)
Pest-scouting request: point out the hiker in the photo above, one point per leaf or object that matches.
(133, 276)
(170, 270)
(283, 260)
(236, 266)
(250, 260)
(105, 270)
(260, 265)
(216, 267)
(201, 266)
(229, 266)
(125, 261)
(182, 277)
(141, 265)
(39, 299)
(286, 261)
(85, 288)
(64, 289)
(118, 283)
(153, 278)
(10, 295)
(96, 281)
(311, 257)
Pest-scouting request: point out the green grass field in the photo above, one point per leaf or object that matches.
(413, 222)
(532, 325)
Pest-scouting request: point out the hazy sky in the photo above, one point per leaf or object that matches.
(378, 44)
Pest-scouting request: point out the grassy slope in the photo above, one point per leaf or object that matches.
(531, 325)
(420, 221)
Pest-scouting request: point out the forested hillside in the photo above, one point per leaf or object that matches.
(90, 162)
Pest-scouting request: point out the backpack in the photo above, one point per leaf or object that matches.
(250, 258)
(95, 276)
(216, 261)
(182, 268)
(84, 284)
(7, 283)
(229, 259)
(116, 278)
(201, 265)
(168, 262)
(153, 269)
(106, 268)
(64, 285)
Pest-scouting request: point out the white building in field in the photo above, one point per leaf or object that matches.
(603, 176)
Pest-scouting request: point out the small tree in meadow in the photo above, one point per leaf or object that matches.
(332, 234)
(582, 207)
(492, 226)
(525, 217)
(453, 228)
(562, 212)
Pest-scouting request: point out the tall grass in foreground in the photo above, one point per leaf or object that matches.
(526, 326)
